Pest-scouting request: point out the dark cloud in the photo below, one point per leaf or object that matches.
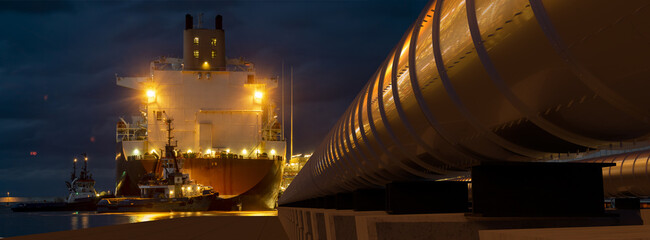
(71, 51)
(36, 7)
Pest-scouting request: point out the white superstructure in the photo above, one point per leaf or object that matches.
(213, 111)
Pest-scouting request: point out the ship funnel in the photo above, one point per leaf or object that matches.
(204, 49)
(218, 22)
(189, 21)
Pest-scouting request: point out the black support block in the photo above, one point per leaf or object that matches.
(627, 203)
(513, 189)
(369, 200)
(329, 202)
(344, 201)
(315, 203)
(426, 197)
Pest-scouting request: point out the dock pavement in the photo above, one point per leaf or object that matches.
(195, 228)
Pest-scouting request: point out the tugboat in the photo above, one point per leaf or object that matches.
(173, 191)
(82, 195)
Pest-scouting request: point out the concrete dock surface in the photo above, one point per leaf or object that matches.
(638, 232)
(205, 227)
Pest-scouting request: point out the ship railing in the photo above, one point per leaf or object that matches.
(130, 134)
(227, 155)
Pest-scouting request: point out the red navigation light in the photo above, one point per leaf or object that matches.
(32, 153)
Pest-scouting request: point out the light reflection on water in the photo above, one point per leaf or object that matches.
(18, 224)
(136, 217)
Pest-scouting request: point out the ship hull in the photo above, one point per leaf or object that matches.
(193, 204)
(89, 204)
(244, 184)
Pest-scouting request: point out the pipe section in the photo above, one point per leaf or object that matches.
(483, 80)
(629, 178)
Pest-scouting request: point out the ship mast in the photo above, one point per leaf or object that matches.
(291, 144)
(282, 93)
(74, 170)
(84, 171)
(169, 134)
(169, 148)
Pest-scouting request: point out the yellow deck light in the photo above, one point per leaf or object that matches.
(151, 95)
(272, 151)
(258, 96)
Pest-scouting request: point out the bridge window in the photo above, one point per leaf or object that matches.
(196, 40)
(196, 53)
(159, 115)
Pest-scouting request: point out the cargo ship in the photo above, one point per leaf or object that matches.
(227, 132)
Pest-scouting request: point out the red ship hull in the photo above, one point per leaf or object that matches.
(249, 184)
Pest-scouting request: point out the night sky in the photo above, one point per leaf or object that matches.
(58, 62)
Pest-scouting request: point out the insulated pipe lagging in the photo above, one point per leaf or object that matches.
(485, 80)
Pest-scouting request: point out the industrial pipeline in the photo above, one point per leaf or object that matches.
(495, 80)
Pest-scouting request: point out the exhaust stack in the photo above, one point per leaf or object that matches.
(204, 49)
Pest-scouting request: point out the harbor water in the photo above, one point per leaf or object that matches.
(24, 223)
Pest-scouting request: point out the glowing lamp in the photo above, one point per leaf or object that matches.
(151, 95)
(208, 151)
(258, 96)
(189, 150)
(272, 151)
(228, 150)
(244, 151)
(135, 152)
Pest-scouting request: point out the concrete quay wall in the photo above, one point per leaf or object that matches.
(332, 224)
